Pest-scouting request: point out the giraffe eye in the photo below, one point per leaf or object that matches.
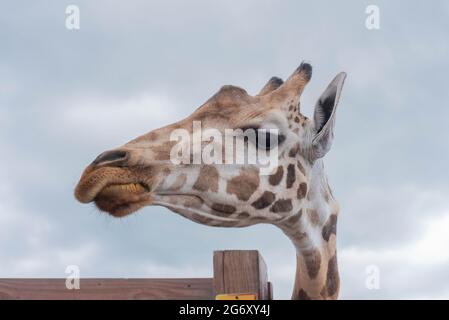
(266, 139)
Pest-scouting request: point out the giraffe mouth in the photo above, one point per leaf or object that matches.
(117, 191)
(120, 200)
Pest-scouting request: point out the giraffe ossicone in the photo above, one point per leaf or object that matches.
(294, 196)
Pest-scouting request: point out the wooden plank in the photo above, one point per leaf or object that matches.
(107, 289)
(240, 271)
(263, 278)
(218, 265)
(270, 291)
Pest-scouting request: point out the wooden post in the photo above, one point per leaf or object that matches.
(241, 271)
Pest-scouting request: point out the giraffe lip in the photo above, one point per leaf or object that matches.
(120, 200)
(130, 187)
(117, 189)
(121, 209)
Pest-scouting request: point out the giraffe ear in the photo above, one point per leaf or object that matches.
(324, 116)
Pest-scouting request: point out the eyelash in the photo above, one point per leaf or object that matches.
(269, 137)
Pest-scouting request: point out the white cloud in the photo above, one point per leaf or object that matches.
(402, 265)
(378, 215)
(50, 260)
(14, 221)
(112, 120)
(31, 232)
(429, 249)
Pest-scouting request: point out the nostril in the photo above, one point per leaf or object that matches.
(110, 156)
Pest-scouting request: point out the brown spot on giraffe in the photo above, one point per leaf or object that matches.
(193, 202)
(243, 215)
(291, 176)
(294, 151)
(207, 179)
(221, 208)
(302, 295)
(264, 200)
(330, 227)
(201, 219)
(282, 205)
(299, 236)
(245, 184)
(313, 262)
(302, 190)
(332, 278)
(323, 292)
(276, 177)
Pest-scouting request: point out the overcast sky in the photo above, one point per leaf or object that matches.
(66, 96)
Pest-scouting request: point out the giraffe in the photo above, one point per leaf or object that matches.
(295, 196)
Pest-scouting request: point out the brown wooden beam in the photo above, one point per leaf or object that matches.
(107, 289)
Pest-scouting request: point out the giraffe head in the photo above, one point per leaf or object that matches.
(142, 172)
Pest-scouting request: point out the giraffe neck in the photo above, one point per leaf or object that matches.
(313, 235)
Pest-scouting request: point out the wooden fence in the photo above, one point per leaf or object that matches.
(235, 272)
